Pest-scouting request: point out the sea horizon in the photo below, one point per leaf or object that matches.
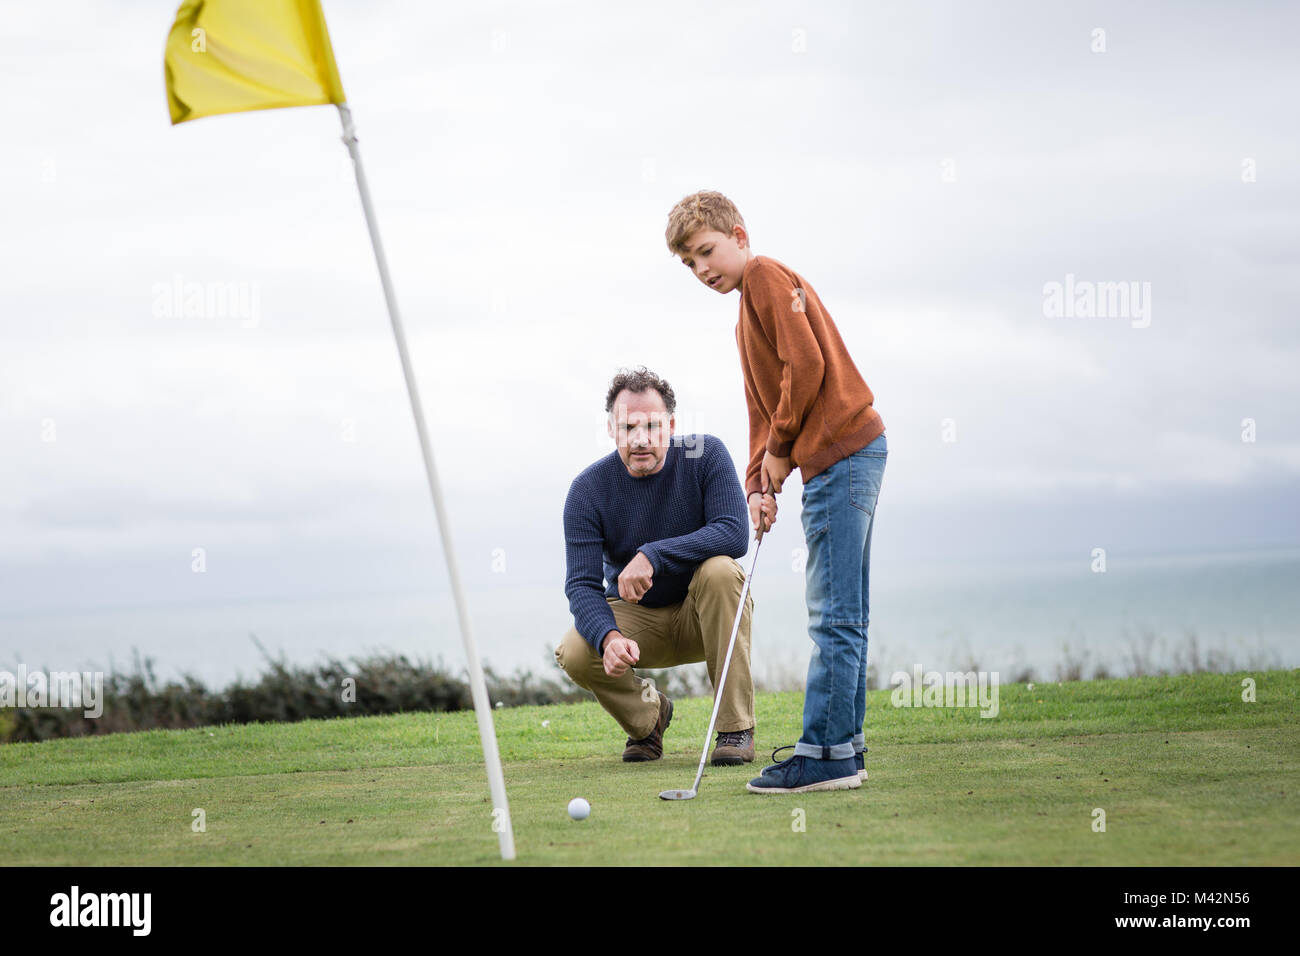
(1006, 615)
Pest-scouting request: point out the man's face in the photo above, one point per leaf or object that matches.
(641, 427)
(716, 258)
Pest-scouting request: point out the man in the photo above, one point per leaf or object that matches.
(651, 533)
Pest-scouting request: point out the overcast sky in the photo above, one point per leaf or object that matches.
(929, 168)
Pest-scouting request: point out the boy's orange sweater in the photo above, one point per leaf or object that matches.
(807, 400)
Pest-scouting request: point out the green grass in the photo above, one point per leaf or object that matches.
(1187, 773)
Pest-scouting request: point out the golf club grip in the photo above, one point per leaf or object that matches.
(726, 664)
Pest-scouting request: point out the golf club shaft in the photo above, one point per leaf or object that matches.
(726, 664)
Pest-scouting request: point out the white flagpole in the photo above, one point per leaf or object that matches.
(482, 707)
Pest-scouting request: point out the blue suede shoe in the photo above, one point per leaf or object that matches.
(804, 775)
(776, 763)
(859, 761)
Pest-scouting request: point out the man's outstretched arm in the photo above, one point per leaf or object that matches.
(584, 583)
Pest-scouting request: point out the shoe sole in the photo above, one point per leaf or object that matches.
(731, 761)
(840, 783)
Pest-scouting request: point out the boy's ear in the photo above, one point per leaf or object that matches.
(742, 238)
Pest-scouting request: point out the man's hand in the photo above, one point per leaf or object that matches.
(620, 654)
(775, 471)
(636, 579)
(763, 507)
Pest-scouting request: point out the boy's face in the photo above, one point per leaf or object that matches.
(717, 259)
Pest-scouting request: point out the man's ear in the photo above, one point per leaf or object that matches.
(672, 425)
(609, 426)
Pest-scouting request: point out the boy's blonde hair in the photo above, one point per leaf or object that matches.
(702, 210)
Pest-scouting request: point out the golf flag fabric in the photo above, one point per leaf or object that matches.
(232, 56)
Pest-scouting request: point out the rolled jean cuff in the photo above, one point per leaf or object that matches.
(859, 743)
(837, 751)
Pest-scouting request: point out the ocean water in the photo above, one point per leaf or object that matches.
(1243, 607)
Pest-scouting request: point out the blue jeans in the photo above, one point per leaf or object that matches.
(838, 506)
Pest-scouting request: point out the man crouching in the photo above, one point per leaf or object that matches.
(661, 519)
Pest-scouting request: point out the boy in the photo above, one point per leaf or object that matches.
(808, 408)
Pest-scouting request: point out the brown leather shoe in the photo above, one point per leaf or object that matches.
(651, 747)
(734, 748)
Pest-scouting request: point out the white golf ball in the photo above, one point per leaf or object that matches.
(579, 808)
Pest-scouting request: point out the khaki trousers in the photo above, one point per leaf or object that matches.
(695, 630)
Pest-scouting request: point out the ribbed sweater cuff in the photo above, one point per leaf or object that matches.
(779, 449)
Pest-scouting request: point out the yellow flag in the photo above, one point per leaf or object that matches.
(231, 56)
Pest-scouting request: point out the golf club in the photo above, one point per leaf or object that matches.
(722, 682)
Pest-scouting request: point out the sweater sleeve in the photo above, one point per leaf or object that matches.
(759, 428)
(724, 530)
(781, 309)
(584, 582)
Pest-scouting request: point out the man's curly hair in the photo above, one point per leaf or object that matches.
(640, 380)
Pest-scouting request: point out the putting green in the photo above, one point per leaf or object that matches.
(1185, 771)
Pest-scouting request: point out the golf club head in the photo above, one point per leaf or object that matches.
(677, 795)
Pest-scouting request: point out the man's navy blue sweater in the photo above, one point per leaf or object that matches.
(685, 513)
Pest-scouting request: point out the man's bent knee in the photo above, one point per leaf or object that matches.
(720, 572)
(574, 656)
